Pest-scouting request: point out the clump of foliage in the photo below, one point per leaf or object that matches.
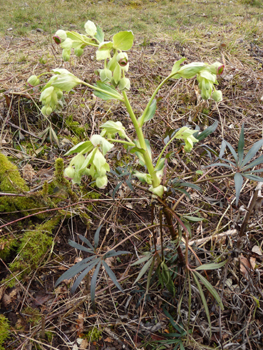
(4, 331)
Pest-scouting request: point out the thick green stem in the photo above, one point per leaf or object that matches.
(146, 155)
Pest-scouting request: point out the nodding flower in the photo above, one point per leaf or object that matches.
(60, 36)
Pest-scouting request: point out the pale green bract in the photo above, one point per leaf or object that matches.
(186, 134)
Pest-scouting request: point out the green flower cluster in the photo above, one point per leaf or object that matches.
(206, 76)
(94, 165)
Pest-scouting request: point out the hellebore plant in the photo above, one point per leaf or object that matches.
(91, 158)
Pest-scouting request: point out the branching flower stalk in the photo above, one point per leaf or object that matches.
(90, 158)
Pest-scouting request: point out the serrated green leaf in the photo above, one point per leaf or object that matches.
(141, 260)
(234, 154)
(193, 218)
(82, 275)
(80, 247)
(241, 144)
(114, 253)
(97, 236)
(210, 288)
(255, 162)
(123, 40)
(238, 178)
(85, 240)
(253, 177)
(74, 270)
(143, 270)
(206, 132)
(93, 282)
(203, 299)
(252, 152)
(112, 275)
(212, 266)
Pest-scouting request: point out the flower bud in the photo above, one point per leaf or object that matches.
(46, 94)
(90, 28)
(60, 36)
(69, 172)
(101, 182)
(105, 75)
(33, 80)
(217, 96)
(66, 54)
(124, 84)
(78, 51)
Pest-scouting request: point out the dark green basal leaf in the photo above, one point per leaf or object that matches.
(256, 171)
(232, 151)
(97, 236)
(178, 328)
(252, 152)
(206, 132)
(241, 144)
(93, 282)
(83, 274)
(112, 275)
(74, 270)
(99, 35)
(222, 149)
(189, 184)
(238, 178)
(116, 189)
(219, 164)
(253, 177)
(80, 247)
(85, 240)
(255, 162)
(114, 253)
(129, 185)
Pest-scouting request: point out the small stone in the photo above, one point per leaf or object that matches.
(9, 29)
(72, 26)
(25, 24)
(39, 30)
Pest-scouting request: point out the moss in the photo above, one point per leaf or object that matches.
(93, 335)
(4, 330)
(75, 127)
(32, 316)
(12, 182)
(7, 246)
(33, 246)
(63, 184)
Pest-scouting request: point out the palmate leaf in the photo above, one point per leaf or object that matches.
(114, 253)
(255, 162)
(83, 274)
(252, 152)
(84, 147)
(144, 269)
(210, 288)
(241, 144)
(203, 299)
(104, 95)
(149, 113)
(111, 275)
(74, 270)
(238, 178)
(99, 35)
(232, 151)
(93, 282)
(212, 266)
(253, 177)
(97, 236)
(85, 240)
(80, 247)
(206, 132)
